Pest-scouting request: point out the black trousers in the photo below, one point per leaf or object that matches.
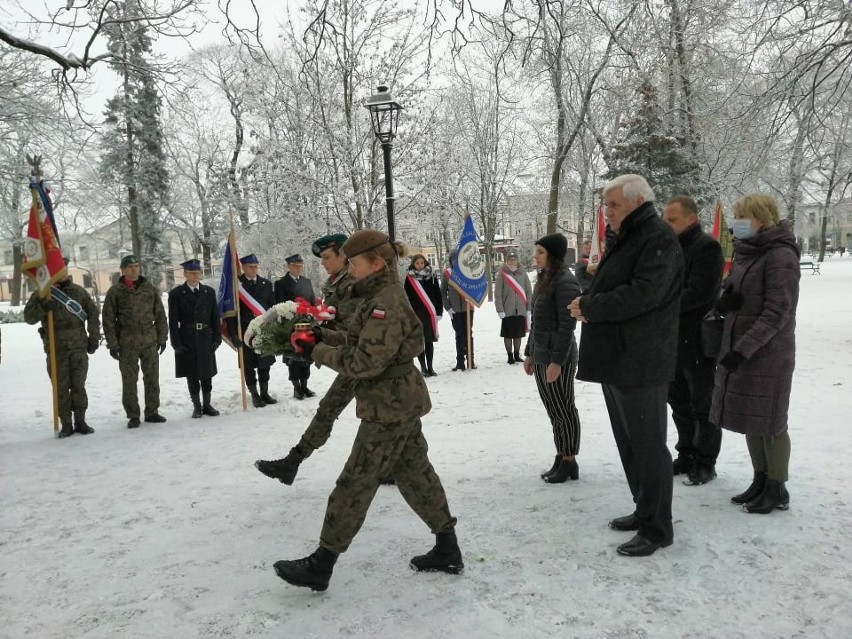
(196, 385)
(252, 377)
(690, 396)
(638, 417)
(459, 321)
(299, 372)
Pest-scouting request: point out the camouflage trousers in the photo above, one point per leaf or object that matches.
(381, 450)
(128, 363)
(72, 368)
(336, 399)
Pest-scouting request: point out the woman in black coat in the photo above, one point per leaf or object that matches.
(424, 295)
(755, 373)
(551, 352)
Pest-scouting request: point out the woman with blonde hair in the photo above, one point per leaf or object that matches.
(755, 373)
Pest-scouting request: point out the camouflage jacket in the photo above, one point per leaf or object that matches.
(337, 292)
(134, 317)
(383, 337)
(71, 332)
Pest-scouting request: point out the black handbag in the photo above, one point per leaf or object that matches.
(711, 328)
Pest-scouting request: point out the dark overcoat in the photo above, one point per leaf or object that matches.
(630, 336)
(551, 338)
(261, 290)
(702, 279)
(754, 399)
(287, 289)
(194, 324)
(433, 291)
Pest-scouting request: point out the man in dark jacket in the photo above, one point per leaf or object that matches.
(262, 292)
(691, 392)
(194, 334)
(581, 268)
(287, 289)
(629, 345)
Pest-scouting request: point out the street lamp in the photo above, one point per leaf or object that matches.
(384, 113)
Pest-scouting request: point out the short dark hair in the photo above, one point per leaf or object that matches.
(686, 203)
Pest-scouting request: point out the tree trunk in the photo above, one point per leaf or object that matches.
(15, 288)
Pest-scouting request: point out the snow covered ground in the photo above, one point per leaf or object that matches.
(169, 531)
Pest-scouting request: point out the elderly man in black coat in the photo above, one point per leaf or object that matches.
(194, 334)
(691, 392)
(287, 289)
(629, 345)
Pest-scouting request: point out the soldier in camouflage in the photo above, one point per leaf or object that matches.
(76, 329)
(135, 329)
(336, 293)
(376, 351)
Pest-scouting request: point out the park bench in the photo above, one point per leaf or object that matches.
(810, 264)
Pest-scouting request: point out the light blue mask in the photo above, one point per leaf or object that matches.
(742, 230)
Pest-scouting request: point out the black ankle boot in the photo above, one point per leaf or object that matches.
(298, 393)
(774, 496)
(752, 492)
(459, 365)
(444, 557)
(518, 357)
(207, 409)
(511, 358)
(556, 461)
(81, 427)
(66, 431)
(256, 400)
(567, 470)
(196, 407)
(264, 394)
(313, 571)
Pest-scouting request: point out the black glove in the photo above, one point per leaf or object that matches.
(307, 348)
(162, 348)
(92, 345)
(317, 332)
(732, 360)
(113, 352)
(181, 350)
(730, 301)
(236, 341)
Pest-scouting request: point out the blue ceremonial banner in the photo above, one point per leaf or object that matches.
(468, 275)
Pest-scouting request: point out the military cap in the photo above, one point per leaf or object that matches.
(294, 259)
(511, 255)
(128, 260)
(249, 259)
(363, 241)
(191, 265)
(328, 241)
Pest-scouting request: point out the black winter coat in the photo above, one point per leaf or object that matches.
(702, 279)
(288, 289)
(261, 290)
(630, 336)
(433, 291)
(551, 338)
(194, 325)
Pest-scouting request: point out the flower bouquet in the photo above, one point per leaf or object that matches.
(272, 333)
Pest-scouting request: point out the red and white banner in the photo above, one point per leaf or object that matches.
(42, 260)
(598, 239)
(427, 303)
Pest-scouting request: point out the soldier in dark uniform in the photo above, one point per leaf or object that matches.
(194, 333)
(73, 318)
(261, 290)
(335, 293)
(135, 329)
(287, 289)
(376, 351)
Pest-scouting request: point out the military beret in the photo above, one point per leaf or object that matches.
(363, 241)
(191, 265)
(128, 260)
(328, 241)
(294, 259)
(249, 259)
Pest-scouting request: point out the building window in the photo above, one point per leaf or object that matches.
(84, 253)
(8, 257)
(87, 280)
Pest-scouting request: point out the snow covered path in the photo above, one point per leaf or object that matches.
(169, 531)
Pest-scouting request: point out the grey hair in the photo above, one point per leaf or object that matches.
(632, 187)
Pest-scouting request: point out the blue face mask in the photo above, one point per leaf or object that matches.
(742, 230)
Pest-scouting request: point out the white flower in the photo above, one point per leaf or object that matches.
(286, 310)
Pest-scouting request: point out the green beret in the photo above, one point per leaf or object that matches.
(328, 241)
(127, 260)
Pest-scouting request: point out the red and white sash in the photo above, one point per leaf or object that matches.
(427, 303)
(519, 291)
(252, 304)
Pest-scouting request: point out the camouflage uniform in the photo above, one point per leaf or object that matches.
(376, 351)
(72, 345)
(134, 322)
(336, 292)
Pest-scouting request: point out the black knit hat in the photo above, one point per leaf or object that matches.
(555, 244)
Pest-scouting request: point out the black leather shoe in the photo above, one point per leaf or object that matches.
(565, 471)
(700, 475)
(626, 523)
(133, 422)
(556, 462)
(682, 465)
(641, 547)
(156, 418)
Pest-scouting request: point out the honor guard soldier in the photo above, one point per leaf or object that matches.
(135, 329)
(287, 289)
(261, 290)
(194, 334)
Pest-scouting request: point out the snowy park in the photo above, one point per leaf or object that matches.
(169, 531)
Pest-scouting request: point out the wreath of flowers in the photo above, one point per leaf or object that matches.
(269, 334)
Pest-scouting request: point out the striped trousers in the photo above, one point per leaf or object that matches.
(558, 400)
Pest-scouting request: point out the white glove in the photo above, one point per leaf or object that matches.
(529, 318)
(501, 314)
(450, 312)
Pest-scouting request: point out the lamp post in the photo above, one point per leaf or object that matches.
(384, 114)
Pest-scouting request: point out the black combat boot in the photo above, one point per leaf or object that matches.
(264, 394)
(196, 407)
(774, 496)
(682, 465)
(313, 571)
(700, 474)
(556, 462)
(156, 418)
(459, 365)
(444, 557)
(80, 425)
(298, 393)
(753, 491)
(305, 390)
(256, 399)
(567, 470)
(207, 408)
(65, 431)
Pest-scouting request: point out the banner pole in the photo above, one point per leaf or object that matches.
(54, 381)
(236, 289)
(469, 335)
